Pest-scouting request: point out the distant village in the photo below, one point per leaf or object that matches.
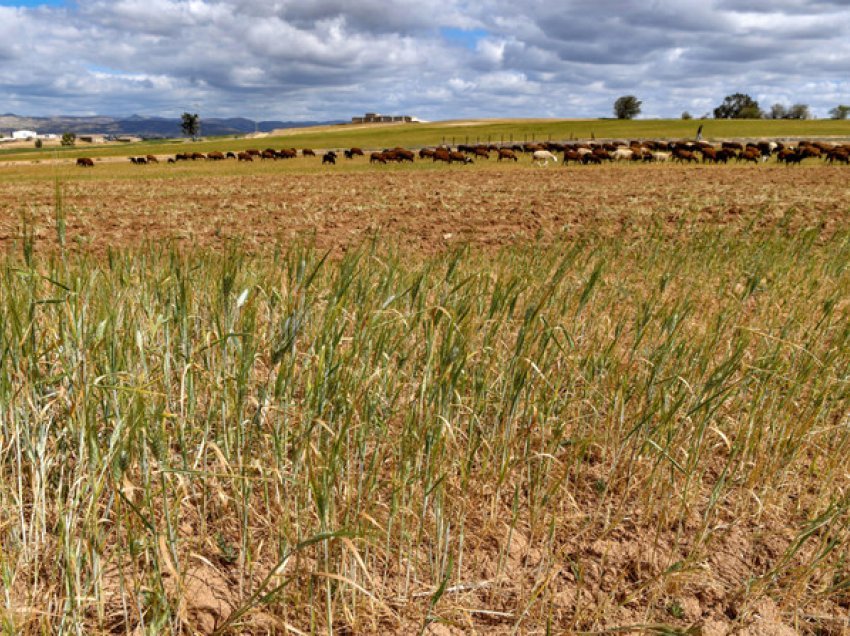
(32, 135)
(27, 135)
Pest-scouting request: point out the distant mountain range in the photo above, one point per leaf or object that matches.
(150, 127)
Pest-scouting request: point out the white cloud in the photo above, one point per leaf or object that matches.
(327, 59)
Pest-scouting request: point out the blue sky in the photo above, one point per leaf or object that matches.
(435, 59)
(468, 38)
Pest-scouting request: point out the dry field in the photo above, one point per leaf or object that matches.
(511, 400)
(424, 209)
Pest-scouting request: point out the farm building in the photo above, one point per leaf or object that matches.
(24, 134)
(376, 118)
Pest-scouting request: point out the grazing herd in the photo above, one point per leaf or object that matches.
(579, 153)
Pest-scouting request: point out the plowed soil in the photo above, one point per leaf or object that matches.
(422, 209)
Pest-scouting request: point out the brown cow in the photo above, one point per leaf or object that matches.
(684, 156)
(245, 156)
(571, 155)
(400, 154)
(85, 162)
(481, 151)
(215, 155)
(307, 152)
(709, 155)
(426, 152)
(441, 154)
(506, 153)
(377, 157)
(751, 154)
(459, 156)
(152, 159)
(356, 151)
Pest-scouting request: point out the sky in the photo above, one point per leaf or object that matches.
(432, 59)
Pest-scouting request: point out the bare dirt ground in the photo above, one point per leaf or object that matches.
(422, 211)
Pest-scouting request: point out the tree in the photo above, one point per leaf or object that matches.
(738, 106)
(38, 143)
(686, 115)
(190, 124)
(840, 112)
(68, 139)
(778, 111)
(799, 111)
(627, 107)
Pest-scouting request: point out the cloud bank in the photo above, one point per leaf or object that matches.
(331, 59)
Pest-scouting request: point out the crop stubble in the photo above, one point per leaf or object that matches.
(421, 211)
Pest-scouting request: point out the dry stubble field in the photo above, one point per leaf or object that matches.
(422, 210)
(623, 406)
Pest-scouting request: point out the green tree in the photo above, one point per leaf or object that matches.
(738, 106)
(840, 112)
(190, 124)
(68, 139)
(799, 111)
(687, 115)
(778, 111)
(627, 107)
(38, 143)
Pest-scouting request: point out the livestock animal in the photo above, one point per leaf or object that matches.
(357, 151)
(591, 158)
(543, 157)
(329, 157)
(572, 155)
(215, 155)
(152, 159)
(750, 155)
(400, 154)
(622, 154)
(459, 157)
(425, 153)
(140, 161)
(268, 154)
(506, 153)
(376, 157)
(684, 156)
(253, 152)
(308, 152)
(441, 154)
(840, 155)
(245, 156)
(481, 152)
(231, 155)
(287, 153)
(85, 162)
(197, 155)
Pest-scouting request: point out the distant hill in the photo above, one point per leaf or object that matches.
(137, 125)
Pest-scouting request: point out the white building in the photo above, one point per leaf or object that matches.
(24, 134)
